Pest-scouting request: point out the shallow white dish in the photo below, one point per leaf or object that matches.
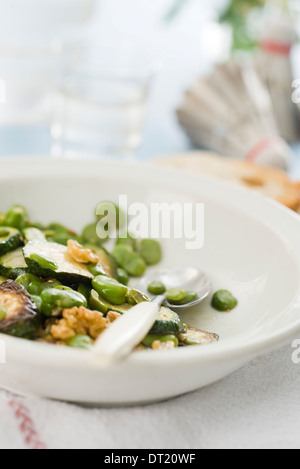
(251, 248)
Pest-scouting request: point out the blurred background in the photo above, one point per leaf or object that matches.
(94, 77)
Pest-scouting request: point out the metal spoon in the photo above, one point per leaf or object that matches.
(118, 341)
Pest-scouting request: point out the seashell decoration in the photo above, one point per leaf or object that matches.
(230, 112)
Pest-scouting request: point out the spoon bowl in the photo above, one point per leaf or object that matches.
(118, 341)
(184, 278)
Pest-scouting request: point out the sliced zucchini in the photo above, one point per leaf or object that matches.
(46, 259)
(20, 316)
(195, 336)
(163, 339)
(107, 262)
(10, 239)
(33, 233)
(122, 309)
(13, 264)
(167, 322)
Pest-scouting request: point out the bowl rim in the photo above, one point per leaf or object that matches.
(232, 348)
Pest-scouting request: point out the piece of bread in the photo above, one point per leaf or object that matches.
(271, 182)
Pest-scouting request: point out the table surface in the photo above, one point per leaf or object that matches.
(258, 406)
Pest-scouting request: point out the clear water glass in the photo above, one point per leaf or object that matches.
(100, 114)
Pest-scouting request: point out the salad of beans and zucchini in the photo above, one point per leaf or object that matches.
(66, 288)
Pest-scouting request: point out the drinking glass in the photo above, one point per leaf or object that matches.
(101, 111)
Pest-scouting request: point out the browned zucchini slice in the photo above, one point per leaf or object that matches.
(195, 336)
(20, 316)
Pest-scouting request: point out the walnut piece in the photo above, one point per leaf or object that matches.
(77, 252)
(158, 345)
(79, 321)
(112, 316)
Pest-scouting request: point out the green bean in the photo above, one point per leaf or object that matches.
(181, 298)
(130, 261)
(62, 298)
(3, 312)
(85, 291)
(80, 341)
(31, 283)
(126, 241)
(63, 238)
(37, 301)
(156, 288)
(150, 251)
(190, 297)
(17, 217)
(39, 226)
(224, 301)
(58, 227)
(89, 234)
(107, 264)
(48, 310)
(34, 285)
(49, 234)
(134, 297)
(58, 233)
(110, 290)
(150, 338)
(175, 295)
(123, 276)
(95, 303)
(44, 262)
(96, 269)
(51, 284)
(59, 238)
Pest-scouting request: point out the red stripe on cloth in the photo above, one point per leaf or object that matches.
(26, 425)
(276, 47)
(260, 147)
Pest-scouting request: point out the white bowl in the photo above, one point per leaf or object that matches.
(251, 248)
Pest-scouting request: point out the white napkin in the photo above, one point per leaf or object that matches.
(257, 407)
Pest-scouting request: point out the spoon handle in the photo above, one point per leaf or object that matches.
(127, 332)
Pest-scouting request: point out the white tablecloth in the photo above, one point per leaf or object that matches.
(257, 407)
